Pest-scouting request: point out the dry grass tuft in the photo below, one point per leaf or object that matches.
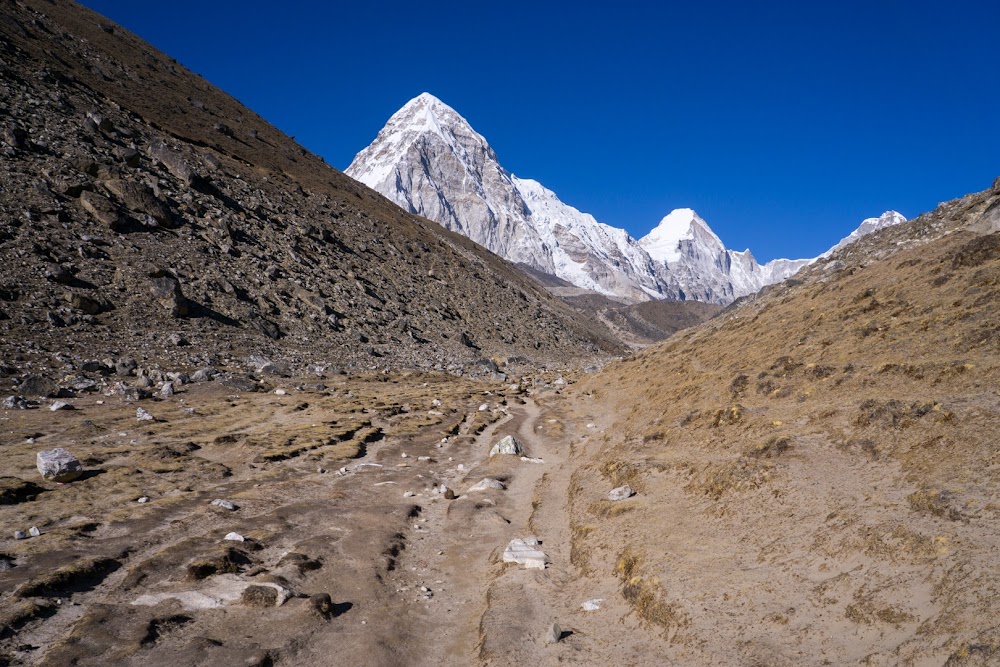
(646, 595)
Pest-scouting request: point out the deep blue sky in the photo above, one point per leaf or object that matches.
(782, 125)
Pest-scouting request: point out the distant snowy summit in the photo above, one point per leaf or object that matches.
(430, 161)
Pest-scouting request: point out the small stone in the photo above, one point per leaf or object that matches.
(448, 494)
(621, 493)
(234, 537)
(280, 392)
(203, 374)
(58, 465)
(404, 455)
(177, 340)
(530, 459)
(484, 407)
(143, 415)
(34, 532)
(592, 605)
(322, 604)
(224, 504)
(60, 405)
(507, 445)
(554, 634)
(167, 390)
(15, 403)
(20, 535)
(143, 499)
(408, 494)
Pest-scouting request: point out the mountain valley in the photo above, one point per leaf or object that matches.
(306, 423)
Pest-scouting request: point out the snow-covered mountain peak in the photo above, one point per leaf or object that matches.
(430, 161)
(663, 243)
(426, 113)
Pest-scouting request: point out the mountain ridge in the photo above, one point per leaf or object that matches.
(430, 160)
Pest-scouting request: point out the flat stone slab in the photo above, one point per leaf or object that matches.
(487, 484)
(221, 591)
(525, 552)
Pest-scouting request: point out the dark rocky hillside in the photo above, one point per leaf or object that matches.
(144, 213)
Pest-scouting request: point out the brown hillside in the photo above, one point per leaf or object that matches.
(817, 470)
(139, 201)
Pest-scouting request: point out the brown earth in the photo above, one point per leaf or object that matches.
(817, 470)
(139, 201)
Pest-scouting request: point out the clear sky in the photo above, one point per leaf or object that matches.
(782, 124)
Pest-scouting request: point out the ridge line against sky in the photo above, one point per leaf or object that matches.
(783, 127)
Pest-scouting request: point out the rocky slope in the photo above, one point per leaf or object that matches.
(834, 434)
(146, 214)
(429, 160)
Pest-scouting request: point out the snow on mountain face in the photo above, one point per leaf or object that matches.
(868, 226)
(429, 160)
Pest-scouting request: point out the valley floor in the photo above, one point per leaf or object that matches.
(338, 492)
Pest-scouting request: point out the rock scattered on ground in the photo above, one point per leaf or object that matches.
(621, 493)
(224, 504)
(524, 552)
(487, 484)
(15, 403)
(508, 445)
(58, 465)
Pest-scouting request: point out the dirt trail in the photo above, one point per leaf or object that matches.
(414, 578)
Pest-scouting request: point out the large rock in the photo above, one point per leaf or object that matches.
(140, 198)
(37, 385)
(525, 552)
(166, 290)
(102, 209)
(173, 161)
(508, 445)
(58, 465)
(621, 493)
